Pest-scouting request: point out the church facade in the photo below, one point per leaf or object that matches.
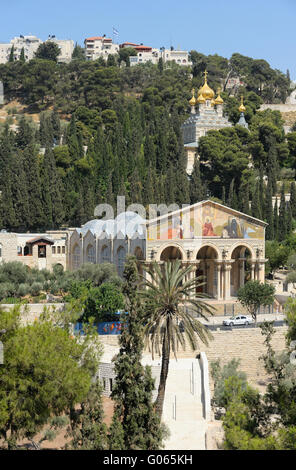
(224, 246)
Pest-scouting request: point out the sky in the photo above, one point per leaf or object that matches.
(262, 29)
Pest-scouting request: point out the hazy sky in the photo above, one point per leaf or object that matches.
(263, 29)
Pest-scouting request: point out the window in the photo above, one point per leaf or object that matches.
(111, 384)
(105, 255)
(120, 260)
(59, 249)
(63, 250)
(76, 257)
(91, 255)
(53, 250)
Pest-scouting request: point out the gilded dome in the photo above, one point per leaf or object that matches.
(219, 100)
(205, 90)
(242, 108)
(200, 99)
(192, 101)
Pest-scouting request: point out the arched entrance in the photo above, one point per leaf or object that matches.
(240, 268)
(171, 253)
(207, 268)
(140, 258)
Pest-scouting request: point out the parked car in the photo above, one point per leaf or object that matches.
(238, 320)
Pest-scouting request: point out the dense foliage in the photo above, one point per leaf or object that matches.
(110, 130)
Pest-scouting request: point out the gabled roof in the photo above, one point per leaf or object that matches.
(188, 207)
(37, 239)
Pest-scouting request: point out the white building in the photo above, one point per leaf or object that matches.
(148, 54)
(4, 52)
(66, 46)
(30, 45)
(99, 46)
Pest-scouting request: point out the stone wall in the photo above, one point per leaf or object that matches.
(247, 345)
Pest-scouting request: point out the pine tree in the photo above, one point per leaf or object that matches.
(132, 392)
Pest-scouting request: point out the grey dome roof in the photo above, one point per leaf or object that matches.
(127, 223)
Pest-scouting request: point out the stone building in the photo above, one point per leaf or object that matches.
(36, 250)
(206, 115)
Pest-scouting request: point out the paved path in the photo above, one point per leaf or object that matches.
(183, 412)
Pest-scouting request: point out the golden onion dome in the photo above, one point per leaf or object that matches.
(242, 108)
(219, 100)
(213, 102)
(192, 102)
(205, 90)
(200, 99)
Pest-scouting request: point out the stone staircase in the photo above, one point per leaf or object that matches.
(183, 410)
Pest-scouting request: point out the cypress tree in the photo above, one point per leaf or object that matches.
(135, 419)
(293, 198)
(289, 219)
(230, 194)
(22, 55)
(256, 202)
(276, 220)
(196, 186)
(88, 432)
(269, 212)
(11, 55)
(282, 230)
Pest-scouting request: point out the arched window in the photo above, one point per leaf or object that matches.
(120, 260)
(91, 254)
(105, 258)
(76, 257)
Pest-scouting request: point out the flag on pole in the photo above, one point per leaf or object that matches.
(115, 32)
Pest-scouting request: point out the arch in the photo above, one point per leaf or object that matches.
(76, 256)
(90, 254)
(120, 260)
(207, 270)
(170, 245)
(140, 257)
(207, 245)
(243, 245)
(105, 257)
(139, 253)
(241, 268)
(171, 253)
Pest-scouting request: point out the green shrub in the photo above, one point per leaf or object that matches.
(36, 288)
(23, 290)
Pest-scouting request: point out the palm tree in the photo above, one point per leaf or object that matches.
(167, 295)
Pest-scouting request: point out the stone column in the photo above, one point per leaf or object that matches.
(218, 267)
(253, 265)
(227, 269)
(241, 273)
(261, 272)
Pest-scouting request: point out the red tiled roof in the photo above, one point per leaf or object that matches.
(98, 38)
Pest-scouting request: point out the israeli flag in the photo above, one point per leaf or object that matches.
(115, 31)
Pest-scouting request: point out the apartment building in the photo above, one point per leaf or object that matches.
(30, 45)
(99, 46)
